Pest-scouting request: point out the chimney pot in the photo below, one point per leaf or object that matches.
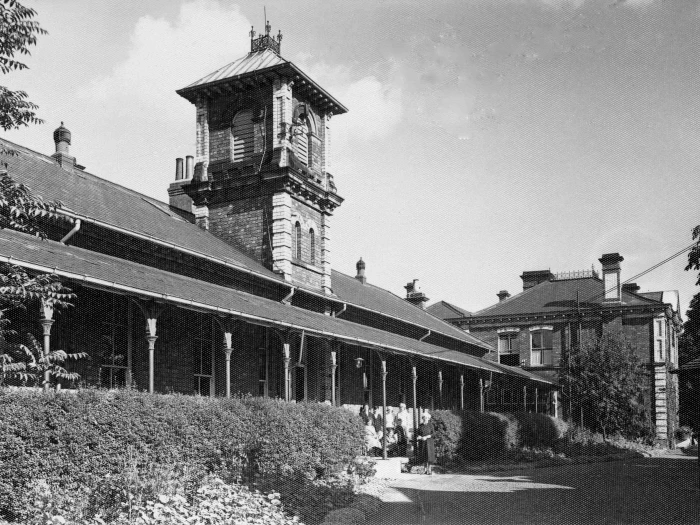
(414, 295)
(189, 166)
(361, 271)
(503, 295)
(62, 138)
(179, 168)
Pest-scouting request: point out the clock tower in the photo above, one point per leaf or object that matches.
(260, 179)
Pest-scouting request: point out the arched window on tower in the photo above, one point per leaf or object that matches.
(296, 245)
(242, 136)
(312, 255)
(301, 141)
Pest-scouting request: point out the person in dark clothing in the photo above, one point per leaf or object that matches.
(426, 443)
(378, 423)
(401, 440)
(366, 415)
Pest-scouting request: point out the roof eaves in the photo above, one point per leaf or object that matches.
(186, 92)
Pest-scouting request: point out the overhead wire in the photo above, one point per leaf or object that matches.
(644, 272)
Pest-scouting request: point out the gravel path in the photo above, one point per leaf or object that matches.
(661, 490)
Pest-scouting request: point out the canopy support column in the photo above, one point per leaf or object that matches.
(334, 367)
(46, 323)
(414, 376)
(461, 391)
(481, 395)
(286, 357)
(151, 310)
(228, 349)
(384, 374)
(525, 398)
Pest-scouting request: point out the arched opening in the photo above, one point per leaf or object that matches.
(312, 255)
(296, 244)
(242, 136)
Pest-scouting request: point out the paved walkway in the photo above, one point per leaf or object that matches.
(662, 491)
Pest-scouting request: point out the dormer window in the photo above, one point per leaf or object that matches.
(242, 136)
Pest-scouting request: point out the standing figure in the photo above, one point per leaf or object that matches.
(366, 414)
(426, 443)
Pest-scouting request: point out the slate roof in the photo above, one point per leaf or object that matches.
(259, 63)
(106, 272)
(445, 310)
(96, 199)
(559, 296)
(654, 296)
(374, 298)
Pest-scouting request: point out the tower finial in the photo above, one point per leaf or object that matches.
(265, 40)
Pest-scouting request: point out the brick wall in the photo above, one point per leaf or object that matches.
(243, 224)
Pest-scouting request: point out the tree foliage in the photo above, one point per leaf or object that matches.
(18, 32)
(26, 362)
(23, 211)
(606, 379)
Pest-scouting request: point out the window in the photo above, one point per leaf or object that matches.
(203, 355)
(541, 347)
(659, 340)
(312, 255)
(115, 331)
(296, 244)
(302, 140)
(242, 136)
(508, 353)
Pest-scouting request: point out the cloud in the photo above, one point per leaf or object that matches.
(374, 105)
(165, 56)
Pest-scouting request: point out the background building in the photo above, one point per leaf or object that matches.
(554, 312)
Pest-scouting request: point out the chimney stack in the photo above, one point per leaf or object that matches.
(177, 195)
(414, 295)
(361, 271)
(61, 138)
(611, 276)
(503, 295)
(189, 167)
(533, 278)
(179, 172)
(630, 287)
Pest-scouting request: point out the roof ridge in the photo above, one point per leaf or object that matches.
(508, 300)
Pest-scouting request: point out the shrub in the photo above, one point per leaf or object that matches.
(104, 446)
(470, 435)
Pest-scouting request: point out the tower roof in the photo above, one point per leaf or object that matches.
(266, 66)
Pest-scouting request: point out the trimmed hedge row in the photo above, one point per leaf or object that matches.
(473, 435)
(86, 443)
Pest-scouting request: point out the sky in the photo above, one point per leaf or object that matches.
(484, 137)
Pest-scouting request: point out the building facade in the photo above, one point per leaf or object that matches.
(534, 328)
(229, 286)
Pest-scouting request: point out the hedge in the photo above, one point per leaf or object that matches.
(473, 435)
(92, 444)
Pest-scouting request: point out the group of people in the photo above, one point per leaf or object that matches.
(397, 434)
